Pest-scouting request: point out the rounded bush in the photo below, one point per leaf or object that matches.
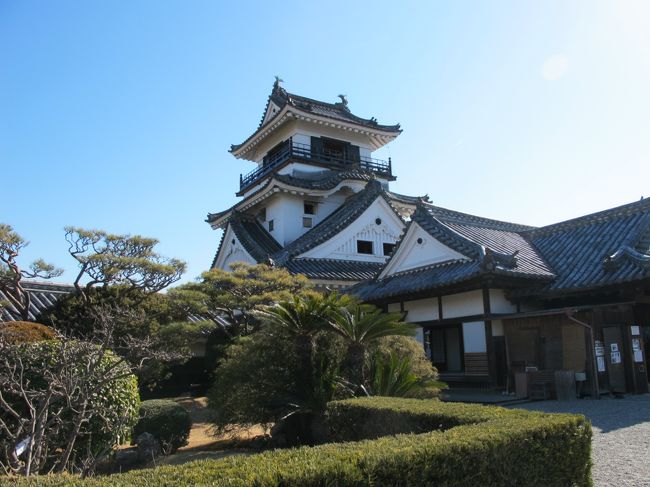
(15, 332)
(167, 421)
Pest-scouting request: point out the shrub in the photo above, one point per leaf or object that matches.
(15, 332)
(68, 374)
(404, 348)
(167, 421)
(467, 445)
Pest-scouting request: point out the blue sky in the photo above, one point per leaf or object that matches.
(119, 115)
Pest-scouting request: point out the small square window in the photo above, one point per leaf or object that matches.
(364, 247)
(388, 248)
(310, 208)
(306, 222)
(262, 214)
(270, 225)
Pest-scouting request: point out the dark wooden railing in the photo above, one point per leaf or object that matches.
(303, 152)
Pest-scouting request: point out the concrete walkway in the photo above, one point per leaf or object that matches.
(621, 444)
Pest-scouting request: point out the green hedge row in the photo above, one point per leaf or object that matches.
(466, 445)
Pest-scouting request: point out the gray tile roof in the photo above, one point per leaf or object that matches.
(43, 295)
(256, 240)
(602, 249)
(417, 280)
(594, 251)
(321, 181)
(492, 247)
(474, 236)
(335, 111)
(331, 269)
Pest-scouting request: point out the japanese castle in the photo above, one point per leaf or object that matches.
(317, 203)
(499, 304)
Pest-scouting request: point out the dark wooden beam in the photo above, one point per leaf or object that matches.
(487, 311)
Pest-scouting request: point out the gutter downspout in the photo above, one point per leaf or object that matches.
(594, 383)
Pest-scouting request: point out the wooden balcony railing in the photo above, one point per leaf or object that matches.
(305, 153)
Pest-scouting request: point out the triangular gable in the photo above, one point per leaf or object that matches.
(230, 251)
(419, 249)
(378, 223)
(272, 110)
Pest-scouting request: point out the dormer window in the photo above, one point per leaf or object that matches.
(364, 247)
(309, 208)
(388, 248)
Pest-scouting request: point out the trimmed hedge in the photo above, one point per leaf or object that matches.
(16, 332)
(167, 421)
(468, 445)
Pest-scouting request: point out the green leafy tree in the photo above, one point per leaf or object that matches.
(145, 315)
(126, 261)
(230, 298)
(11, 274)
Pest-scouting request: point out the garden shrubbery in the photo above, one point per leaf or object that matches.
(464, 445)
(167, 421)
(73, 398)
(15, 332)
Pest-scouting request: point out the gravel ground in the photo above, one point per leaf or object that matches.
(621, 444)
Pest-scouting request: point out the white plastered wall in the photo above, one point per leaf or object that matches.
(463, 304)
(343, 246)
(232, 251)
(412, 254)
(421, 310)
(499, 303)
(474, 337)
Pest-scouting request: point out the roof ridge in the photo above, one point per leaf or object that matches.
(453, 216)
(602, 215)
(446, 235)
(436, 265)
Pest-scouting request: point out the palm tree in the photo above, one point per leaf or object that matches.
(301, 318)
(360, 324)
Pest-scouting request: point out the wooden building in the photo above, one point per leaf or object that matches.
(497, 300)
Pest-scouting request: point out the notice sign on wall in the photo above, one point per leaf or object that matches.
(616, 357)
(600, 350)
(600, 361)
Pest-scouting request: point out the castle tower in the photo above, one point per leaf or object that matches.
(317, 202)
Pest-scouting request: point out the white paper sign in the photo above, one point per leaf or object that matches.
(601, 364)
(616, 357)
(614, 347)
(638, 356)
(634, 330)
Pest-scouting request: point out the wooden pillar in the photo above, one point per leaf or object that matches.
(489, 342)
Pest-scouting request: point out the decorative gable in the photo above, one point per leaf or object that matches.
(231, 251)
(376, 226)
(271, 111)
(419, 249)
